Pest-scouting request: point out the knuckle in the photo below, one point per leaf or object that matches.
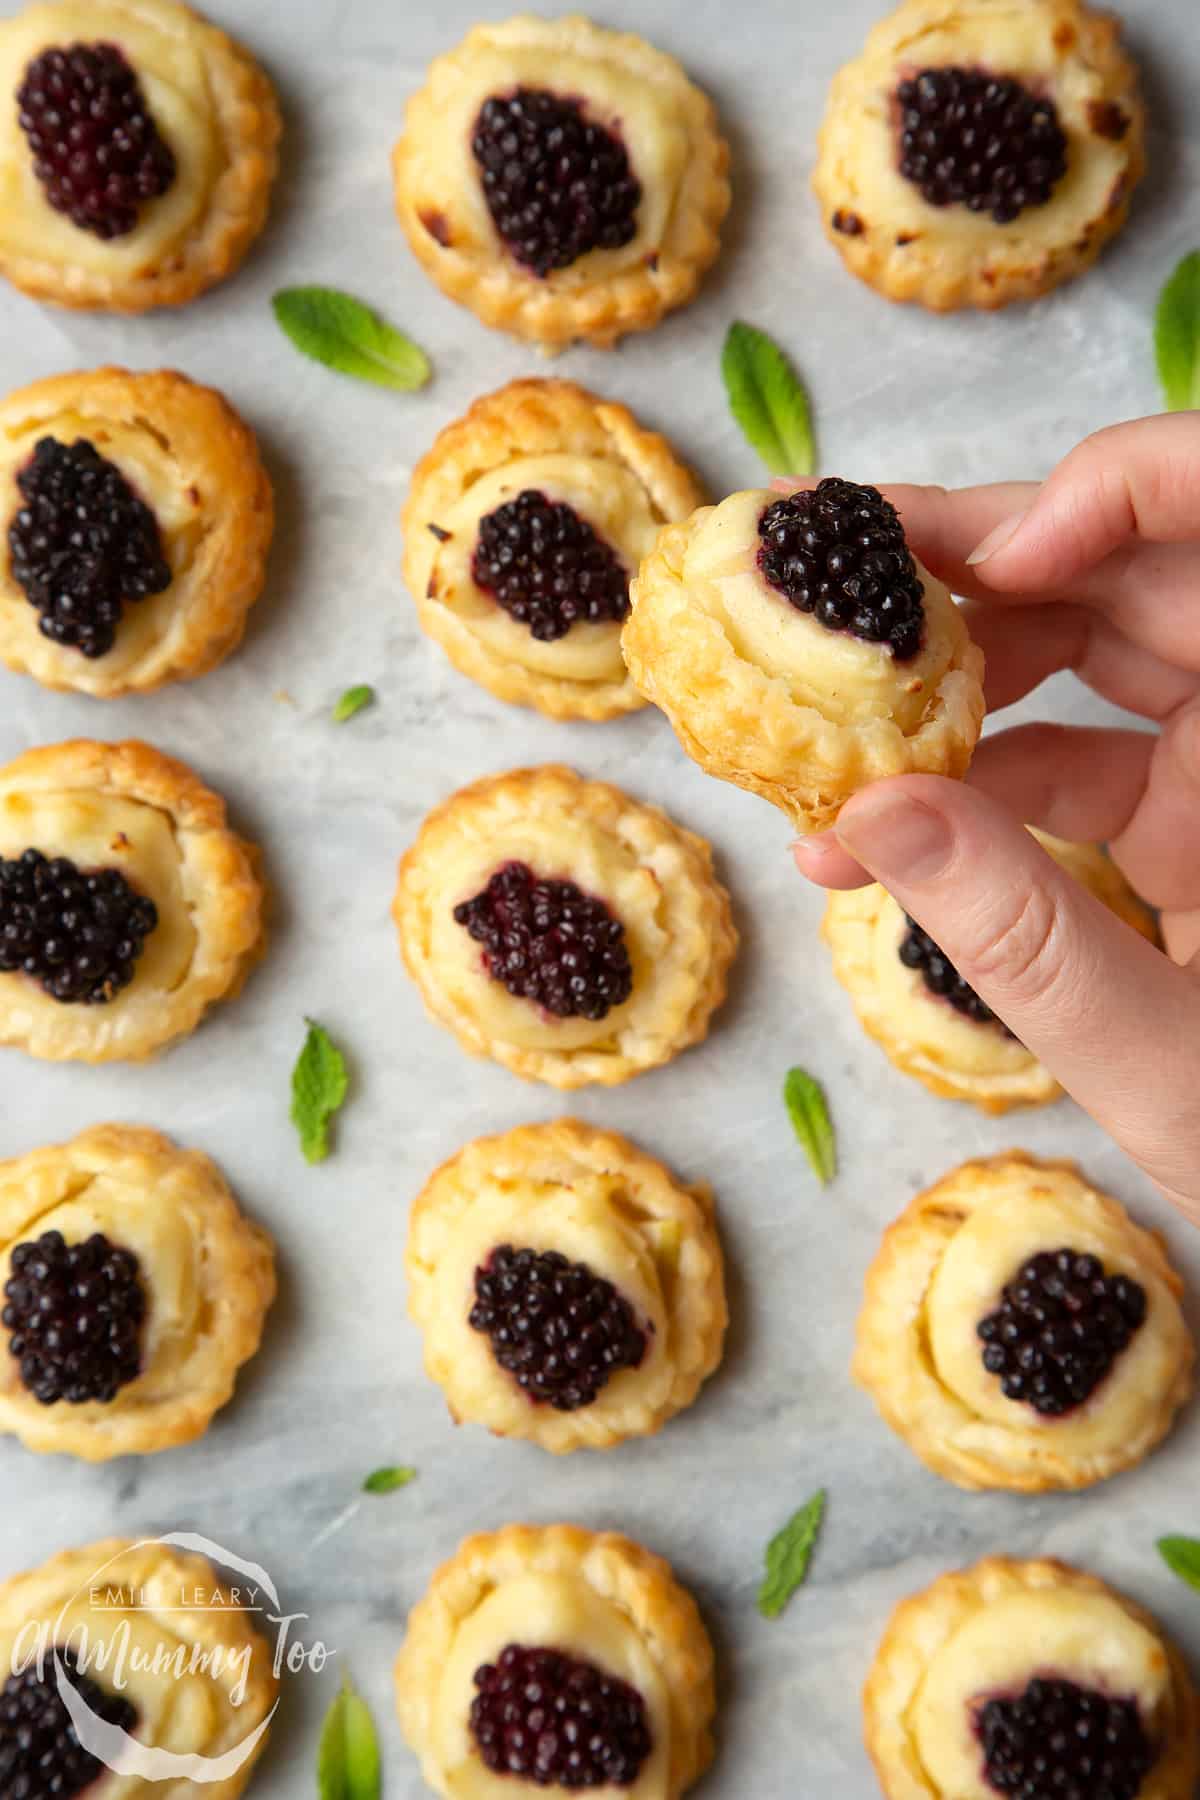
(1024, 948)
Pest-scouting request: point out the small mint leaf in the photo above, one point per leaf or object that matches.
(1177, 336)
(336, 329)
(809, 1112)
(788, 1556)
(1182, 1557)
(353, 701)
(319, 1084)
(348, 1754)
(387, 1480)
(768, 400)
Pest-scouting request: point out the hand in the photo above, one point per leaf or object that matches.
(1096, 570)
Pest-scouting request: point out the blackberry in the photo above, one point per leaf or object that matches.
(558, 1721)
(560, 1329)
(979, 140)
(75, 1315)
(918, 951)
(41, 1757)
(838, 551)
(556, 185)
(550, 943)
(1060, 1326)
(1058, 1741)
(77, 933)
(547, 567)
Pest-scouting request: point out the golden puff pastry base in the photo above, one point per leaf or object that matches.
(560, 439)
(204, 1710)
(941, 1268)
(655, 876)
(595, 1198)
(954, 1057)
(762, 695)
(129, 807)
(593, 1595)
(970, 1634)
(208, 1274)
(678, 154)
(948, 257)
(188, 455)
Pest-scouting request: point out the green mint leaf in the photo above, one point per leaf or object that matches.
(809, 1113)
(348, 1756)
(1182, 1557)
(353, 701)
(768, 400)
(788, 1556)
(339, 331)
(1177, 336)
(387, 1480)
(319, 1083)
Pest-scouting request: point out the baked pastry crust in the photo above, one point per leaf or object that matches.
(593, 1595)
(656, 876)
(195, 463)
(208, 1273)
(217, 111)
(972, 1633)
(562, 440)
(678, 154)
(947, 257)
(954, 1056)
(763, 695)
(597, 1199)
(129, 807)
(198, 1711)
(940, 1269)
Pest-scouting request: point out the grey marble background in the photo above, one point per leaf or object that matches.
(338, 1387)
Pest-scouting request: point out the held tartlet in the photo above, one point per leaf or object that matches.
(127, 906)
(1020, 1331)
(589, 1624)
(980, 151)
(522, 528)
(136, 517)
(561, 180)
(1029, 1678)
(563, 929)
(800, 650)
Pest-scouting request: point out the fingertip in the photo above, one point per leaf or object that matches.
(823, 860)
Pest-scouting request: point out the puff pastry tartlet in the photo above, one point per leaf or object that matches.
(571, 933)
(127, 906)
(980, 152)
(615, 1645)
(911, 999)
(137, 153)
(155, 1644)
(137, 515)
(800, 650)
(561, 180)
(1020, 1331)
(139, 1252)
(569, 1288)
(523, 526)
(1029, 1678)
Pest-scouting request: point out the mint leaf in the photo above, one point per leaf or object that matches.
(1177, 336)
(319, 1083)
(339, 331)
(351, 702)
(809, 1113)
(387, 1480)
(348, 1755)
(1182, 1557)
(768, 400)
(788, 1556)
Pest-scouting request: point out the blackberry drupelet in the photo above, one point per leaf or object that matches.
(555, 1325)
(558, 1721)
(549, 943)
(82, 545)
(78, 934)
(1060, 1326)
(96, 148)
(918, 951)
(979, 140)
(838, 551)
(556, 185)
(74, 1313)
(41, 1757)
(1057, 1741)
(547, 567)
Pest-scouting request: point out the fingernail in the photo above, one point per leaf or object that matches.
(997, 538)
(819, 843)
(895, 837)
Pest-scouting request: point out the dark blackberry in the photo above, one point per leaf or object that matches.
(550, 943)
(78, 934)
(1058, 1741)
(556, 185)
(1060, 1326)
(74, 1313)
(838, 551)
(560, 1329)
(918, 951)
(547, 567)
(96, 149)
(558, 1721)
(41, 1757)
(979, 140)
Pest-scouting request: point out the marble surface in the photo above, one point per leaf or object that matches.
(338, 1387)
